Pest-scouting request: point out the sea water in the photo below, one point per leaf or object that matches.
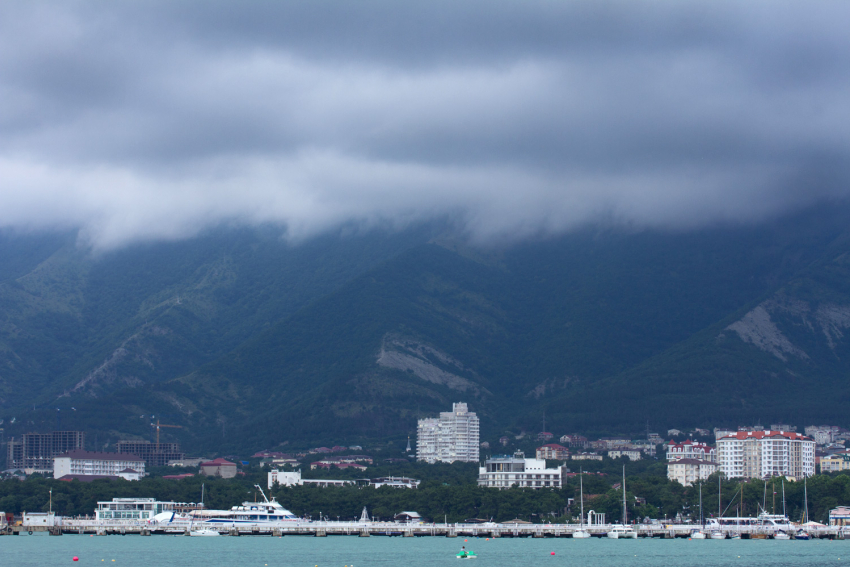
(341, 551)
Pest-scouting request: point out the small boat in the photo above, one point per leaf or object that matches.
(466, 555)
(718, 535)
(581, 533)
(735, 536)
(697, 534)
(802, 535)
(781, 535)
(203, 532)
(624, 532)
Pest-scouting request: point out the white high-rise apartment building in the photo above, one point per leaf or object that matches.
(762, 454)
(452, 437)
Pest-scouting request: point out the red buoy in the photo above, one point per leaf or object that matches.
(76, 558)
(553, 553)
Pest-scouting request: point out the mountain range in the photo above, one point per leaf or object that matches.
(248, 341)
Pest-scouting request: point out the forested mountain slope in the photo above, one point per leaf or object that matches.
(249, 343)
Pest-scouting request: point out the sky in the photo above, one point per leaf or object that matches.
(135, 121)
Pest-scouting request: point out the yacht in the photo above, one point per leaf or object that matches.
(624, 530)
(266, 512)
(618, 532)
(581, 533)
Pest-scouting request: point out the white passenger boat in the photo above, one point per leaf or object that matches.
(268, 512)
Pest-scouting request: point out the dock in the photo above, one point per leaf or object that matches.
(63, 526)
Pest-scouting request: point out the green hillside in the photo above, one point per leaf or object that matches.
(250, 343)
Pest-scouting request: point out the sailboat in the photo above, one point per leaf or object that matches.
(700, 533)
(781, 534)
(581, 533)
(624, 530)
(718, 534)
(802, 534)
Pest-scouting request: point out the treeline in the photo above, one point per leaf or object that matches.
(648, 495)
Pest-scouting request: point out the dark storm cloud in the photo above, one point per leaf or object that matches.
(154, 120)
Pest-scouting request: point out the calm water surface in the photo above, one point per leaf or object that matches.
(126, 551)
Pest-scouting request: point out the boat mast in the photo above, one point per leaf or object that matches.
(805, 502)
(625, 511)
(701, 520)
(581, 489)
(773, 505)
(783, 499)
(719, 487)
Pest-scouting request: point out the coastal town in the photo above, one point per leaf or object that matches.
(692, 458)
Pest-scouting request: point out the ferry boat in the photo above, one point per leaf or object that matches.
(266, 512)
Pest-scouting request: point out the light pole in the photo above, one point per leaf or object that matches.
(51, 500)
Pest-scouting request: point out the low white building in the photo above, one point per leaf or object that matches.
(90, 463)
(630, 454)
(688, 471)
(587, 457)
(132, 509)
(294, 479)
(505, 472)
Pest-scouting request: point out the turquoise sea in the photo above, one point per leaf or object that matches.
(341, 551)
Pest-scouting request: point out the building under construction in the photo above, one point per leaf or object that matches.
(35, 451)
(154, 454)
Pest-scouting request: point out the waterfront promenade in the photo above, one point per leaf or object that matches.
(368, 529)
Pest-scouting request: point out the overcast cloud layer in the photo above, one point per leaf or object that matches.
(138, 121)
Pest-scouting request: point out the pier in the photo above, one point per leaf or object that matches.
(64, 526)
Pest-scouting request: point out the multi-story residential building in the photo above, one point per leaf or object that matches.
(688, 471)
(506, 471)
(835, 463)
(34, 452)
(783, 427)
(575, 441)
(154, 454)
(219, 467)
(553, 451)
(690, 450)
(454, 436)
(762, 454)
(91, 463)
(822, 434)
(631, 454)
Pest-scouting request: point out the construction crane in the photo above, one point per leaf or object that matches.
(158, 425)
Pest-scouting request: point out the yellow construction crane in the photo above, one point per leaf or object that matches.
(158, 425)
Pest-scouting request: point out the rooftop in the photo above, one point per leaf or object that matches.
(79, 454)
